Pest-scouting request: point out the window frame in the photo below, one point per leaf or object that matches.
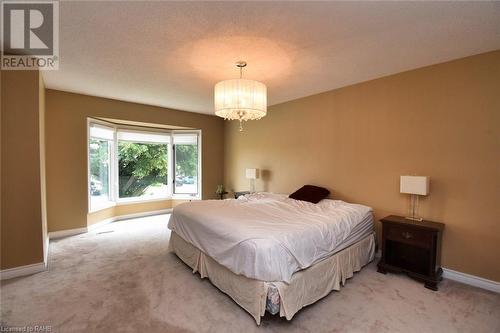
(114, 198)
(111, 202)
(185, 196)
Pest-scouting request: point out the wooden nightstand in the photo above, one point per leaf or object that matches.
(412, 247)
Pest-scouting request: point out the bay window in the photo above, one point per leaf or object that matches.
(100, 150)
(128, 164)
(186, 163)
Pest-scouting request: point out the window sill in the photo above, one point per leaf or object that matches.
(132, 201)
(185, 197)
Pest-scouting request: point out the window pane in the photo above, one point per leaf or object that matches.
(99, 159)
(186, 168)
(142, 170)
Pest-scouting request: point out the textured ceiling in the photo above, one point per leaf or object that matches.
(172, 53)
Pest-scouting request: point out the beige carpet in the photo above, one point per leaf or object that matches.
(122, 279)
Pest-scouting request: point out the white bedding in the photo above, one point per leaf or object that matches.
(266, 236)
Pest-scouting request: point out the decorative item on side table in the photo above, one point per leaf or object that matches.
(412, 247)
(220, 191)
(414, 185)
(252, 174)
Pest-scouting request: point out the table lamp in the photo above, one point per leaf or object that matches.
(415, 186)
(252, 174)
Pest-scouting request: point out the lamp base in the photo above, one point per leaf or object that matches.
(413, 209)
(252, 185)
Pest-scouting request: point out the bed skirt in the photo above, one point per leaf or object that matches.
(306, 286)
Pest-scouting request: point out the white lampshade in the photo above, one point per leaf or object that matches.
(414, 185)
(251, 173)
(240, 99)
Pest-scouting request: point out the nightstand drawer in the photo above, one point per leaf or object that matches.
(412, 236)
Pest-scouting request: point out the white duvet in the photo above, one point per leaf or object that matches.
(266, 236)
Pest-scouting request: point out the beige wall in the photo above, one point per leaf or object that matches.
(441, 121)
(22, 227)
(66, 140)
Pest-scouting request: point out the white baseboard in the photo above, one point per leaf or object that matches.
(127, 217)
(464, 278)
(72, 232)
(471, 280)
(99, 224)
(66, 233)
(46, 250)
(143, 214)
(22, 271)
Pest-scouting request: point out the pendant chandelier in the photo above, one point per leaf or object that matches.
(240, 99)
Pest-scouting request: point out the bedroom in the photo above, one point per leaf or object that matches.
(102, 151)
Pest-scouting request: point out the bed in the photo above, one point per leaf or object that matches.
(270, 252)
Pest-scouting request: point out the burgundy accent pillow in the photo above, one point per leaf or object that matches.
(310, 193)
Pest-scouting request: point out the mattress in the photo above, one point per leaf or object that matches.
(360, 231)
(269, 237)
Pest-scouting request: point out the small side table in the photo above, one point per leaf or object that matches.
(412, 247)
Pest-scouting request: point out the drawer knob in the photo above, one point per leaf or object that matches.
(407, 235)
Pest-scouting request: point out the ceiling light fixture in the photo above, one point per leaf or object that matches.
(240, 99)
